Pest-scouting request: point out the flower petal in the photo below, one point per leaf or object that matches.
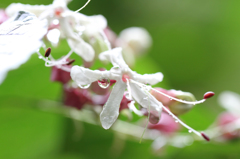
(84, 76)
(76, 43)
(82, 48)
(136, 39)
(20, 37)
(145, 99)
(114, 56)
(230, 101)
(110, 110)
(35, 9)
(148, 78)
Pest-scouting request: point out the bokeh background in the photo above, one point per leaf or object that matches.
(196, 44)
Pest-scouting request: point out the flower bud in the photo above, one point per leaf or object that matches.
(180, 108)
(223, 120)
(166, 101)
(166, 125)
(135, 38)
(60, 75)
(75, 97)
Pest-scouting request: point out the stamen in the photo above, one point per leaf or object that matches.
(171, 114)
(70, 62)
(47, 52)
(208, 95)
(205, 136)
(170, 97)
(83, 6)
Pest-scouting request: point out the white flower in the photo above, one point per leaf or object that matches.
(230, 101)
(72, 25)
(124, 77)
(20, 37)
(134, 41)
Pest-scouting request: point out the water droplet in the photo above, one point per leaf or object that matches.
(127, 96)
(145, 98)
(40, 57)
(176, 121)
(84, 86)
(189, 131)
(170, 98)
(104, 83)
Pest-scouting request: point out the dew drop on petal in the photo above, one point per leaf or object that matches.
(176, 121)
(40, 57)
(104, 83)
(127, 96)
(84, 86)
(189, 131)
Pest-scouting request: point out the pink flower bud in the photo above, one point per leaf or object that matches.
(163, 99)
(166, 125)
(75, 97)
(60, 75)
(223, 120)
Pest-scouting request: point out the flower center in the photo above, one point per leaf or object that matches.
(125, 77)
(58, 12)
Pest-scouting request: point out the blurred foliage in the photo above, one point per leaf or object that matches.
(196, 45)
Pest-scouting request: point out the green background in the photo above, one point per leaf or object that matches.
(196, 44)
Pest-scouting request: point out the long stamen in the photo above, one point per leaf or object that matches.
(206, 96)
(58, 63)
(172, 115)
(83, 6)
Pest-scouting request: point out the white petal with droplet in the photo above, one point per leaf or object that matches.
(149, 78)
(110, 110)
(145, 99)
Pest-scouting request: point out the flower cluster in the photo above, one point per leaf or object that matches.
(227, 125)
(119, 88)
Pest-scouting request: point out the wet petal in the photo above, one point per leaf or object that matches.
(110, 110)
(114, 56)
(145, 99)
(148, 78)
(84, 76)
